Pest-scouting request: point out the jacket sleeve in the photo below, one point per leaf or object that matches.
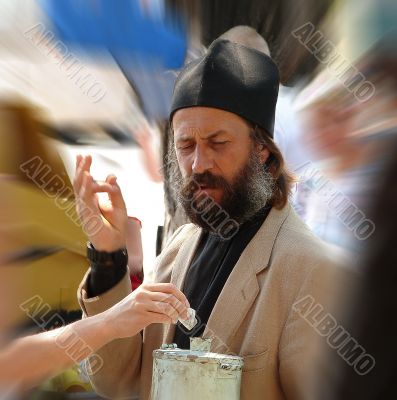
(115, 369)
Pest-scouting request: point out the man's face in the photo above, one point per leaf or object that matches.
(211, 140)
(215, 151)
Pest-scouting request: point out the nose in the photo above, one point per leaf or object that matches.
(202, 161)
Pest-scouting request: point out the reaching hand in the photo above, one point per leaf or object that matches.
(150, 303)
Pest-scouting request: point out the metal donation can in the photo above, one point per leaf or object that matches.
(195, 374)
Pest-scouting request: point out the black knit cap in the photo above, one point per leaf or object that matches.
(230, 77)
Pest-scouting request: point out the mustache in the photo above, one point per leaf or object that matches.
(209, 180)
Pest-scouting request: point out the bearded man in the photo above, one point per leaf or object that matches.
(244, 261)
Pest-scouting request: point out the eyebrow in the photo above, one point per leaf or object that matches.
(186, 137)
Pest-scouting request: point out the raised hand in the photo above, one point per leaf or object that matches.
(105, 222)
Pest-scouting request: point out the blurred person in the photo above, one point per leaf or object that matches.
(27, 216)
(367, 312)
(328, 122)
(245, 259)
(347, 135)
(342, 175)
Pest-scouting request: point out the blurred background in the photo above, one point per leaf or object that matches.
(96, 77)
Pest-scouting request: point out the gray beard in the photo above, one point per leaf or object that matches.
(250, 191)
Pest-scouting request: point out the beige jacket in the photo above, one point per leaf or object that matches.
(253, 316)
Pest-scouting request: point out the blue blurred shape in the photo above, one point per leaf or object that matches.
(120, 26)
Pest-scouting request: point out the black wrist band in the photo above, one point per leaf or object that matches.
(118, 257)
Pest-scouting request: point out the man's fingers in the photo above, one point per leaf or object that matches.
(159, 318)
(163, 308)
(168, 288)
(87, 163)
(86, 191)
(110, 186)
(78, 175)
(171, 299)
(87, 197)
(78, 160)
(111, 179)
(101, 187)
(115, 194)
(83, 165)
(161, 302)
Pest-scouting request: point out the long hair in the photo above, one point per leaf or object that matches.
(275, 164)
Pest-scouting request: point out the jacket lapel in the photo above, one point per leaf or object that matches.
(242, 288)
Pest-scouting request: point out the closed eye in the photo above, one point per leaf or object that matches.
(186, 147)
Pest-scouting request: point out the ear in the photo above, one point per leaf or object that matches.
(263, 152)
